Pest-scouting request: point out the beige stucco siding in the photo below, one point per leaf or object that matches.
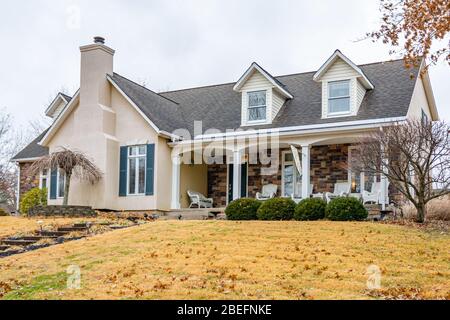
(195, 178)
(105, 129)
(163, 174)
(419, 102)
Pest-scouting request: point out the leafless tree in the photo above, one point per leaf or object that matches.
(414, 156)
(71, 163)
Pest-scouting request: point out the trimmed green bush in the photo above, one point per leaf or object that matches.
(346, 209)
(242, 209)
(310, 209)
(32, 198)
(276, 209)
(3, 213)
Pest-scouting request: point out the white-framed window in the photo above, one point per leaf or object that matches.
(291, 179)
(339, 97)
(257, 107)
(60, 183)
(359, 180)
(43, 179)
(136, 165)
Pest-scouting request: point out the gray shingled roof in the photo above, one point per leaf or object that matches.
(162, 111)
(219, 107)
(33, 150)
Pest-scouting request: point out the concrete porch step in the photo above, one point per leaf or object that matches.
(193, 214)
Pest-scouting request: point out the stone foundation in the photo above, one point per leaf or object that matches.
(64, 211)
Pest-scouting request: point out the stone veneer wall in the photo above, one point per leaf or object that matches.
(328, 165)
(217, 184)
(26, 182)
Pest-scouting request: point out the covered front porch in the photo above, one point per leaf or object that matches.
(243, 173)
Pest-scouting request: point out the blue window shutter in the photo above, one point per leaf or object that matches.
(53, 182)
(150, 170)
(123, 172)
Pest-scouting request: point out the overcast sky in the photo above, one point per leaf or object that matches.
(177, 44)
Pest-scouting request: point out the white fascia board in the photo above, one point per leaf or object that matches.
(25, 160)
(249, 71)
(332, 59)
(60, 119)
(307, 129)
(51, 108)
(425, 77)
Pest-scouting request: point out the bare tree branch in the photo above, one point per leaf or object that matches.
(71, 163)
(417, 157)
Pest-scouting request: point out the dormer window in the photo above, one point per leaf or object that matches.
(257, 108)
(339, 97)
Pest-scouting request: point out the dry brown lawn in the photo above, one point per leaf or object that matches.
(13, 225)
(236, 260)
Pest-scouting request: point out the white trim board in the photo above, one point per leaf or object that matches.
(339, 55)
(310, 129)
(249, 72)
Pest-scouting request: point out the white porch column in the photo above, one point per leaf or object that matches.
(237, 158)
(176, 163)
(306, 150)
(384, 184)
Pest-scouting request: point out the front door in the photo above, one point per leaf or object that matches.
(244, 179)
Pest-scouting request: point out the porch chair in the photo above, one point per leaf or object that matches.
(374, 195)
(199, 200)
(268, 191)
(297, 197)
(341, 189)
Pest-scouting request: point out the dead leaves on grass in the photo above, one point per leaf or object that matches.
(407, 293)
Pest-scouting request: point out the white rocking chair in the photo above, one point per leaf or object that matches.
(199, 200)
(268, 191)
(298, 197)
(341, 189)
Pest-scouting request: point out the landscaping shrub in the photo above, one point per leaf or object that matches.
(276, 209)
(32, 198)
(242, 209)
(310, 209)
(3, 213)
(345, 209)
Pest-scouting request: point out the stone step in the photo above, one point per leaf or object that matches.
(53, 233)
(18, 242)
(72, 229)
(37, 238)
(3, 248)
(81, 225)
